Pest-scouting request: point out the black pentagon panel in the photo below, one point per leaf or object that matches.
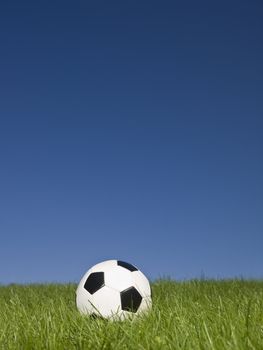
(94, 282)
(127, 266)
(130, 299)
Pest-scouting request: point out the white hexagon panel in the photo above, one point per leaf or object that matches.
(106, 302)
(118, 278)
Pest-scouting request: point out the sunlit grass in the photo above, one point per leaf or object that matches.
(185, 315)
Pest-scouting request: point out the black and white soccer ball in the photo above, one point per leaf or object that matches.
(113, 289)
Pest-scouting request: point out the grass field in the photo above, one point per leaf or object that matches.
(186, 315)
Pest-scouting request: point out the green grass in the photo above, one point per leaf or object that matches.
(186, 315)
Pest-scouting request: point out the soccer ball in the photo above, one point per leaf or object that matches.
(113, 289)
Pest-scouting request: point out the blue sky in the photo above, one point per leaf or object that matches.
(131, 130)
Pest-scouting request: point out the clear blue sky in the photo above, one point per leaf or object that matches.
(131, 130)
